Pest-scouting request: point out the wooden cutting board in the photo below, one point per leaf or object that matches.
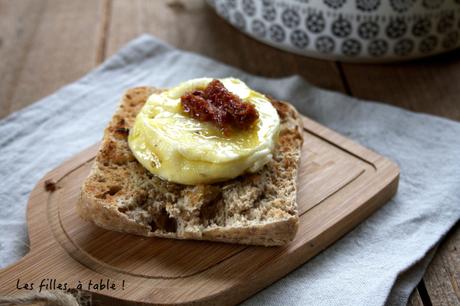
(340, 184)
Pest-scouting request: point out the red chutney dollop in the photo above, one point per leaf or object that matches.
(218, 105)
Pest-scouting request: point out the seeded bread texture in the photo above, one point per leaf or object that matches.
(258, 209)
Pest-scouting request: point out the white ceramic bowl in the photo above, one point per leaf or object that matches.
(349, 30)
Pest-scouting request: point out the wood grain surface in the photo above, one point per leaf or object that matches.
(415, 299)
(348, 181)
(45, 44)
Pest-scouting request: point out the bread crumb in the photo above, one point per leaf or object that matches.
(176, 4)
(50, 185)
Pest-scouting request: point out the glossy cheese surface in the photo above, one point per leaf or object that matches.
(181, 149)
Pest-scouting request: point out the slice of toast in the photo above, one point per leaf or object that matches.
(259, 208)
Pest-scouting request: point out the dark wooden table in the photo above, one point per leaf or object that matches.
(45, 44)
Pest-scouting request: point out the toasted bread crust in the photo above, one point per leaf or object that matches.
(258, 209)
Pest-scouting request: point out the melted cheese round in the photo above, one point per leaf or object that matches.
(181, 149)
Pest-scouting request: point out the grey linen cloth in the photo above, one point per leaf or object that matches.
(378, 263)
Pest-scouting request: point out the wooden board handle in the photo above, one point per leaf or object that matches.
(16, 278)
